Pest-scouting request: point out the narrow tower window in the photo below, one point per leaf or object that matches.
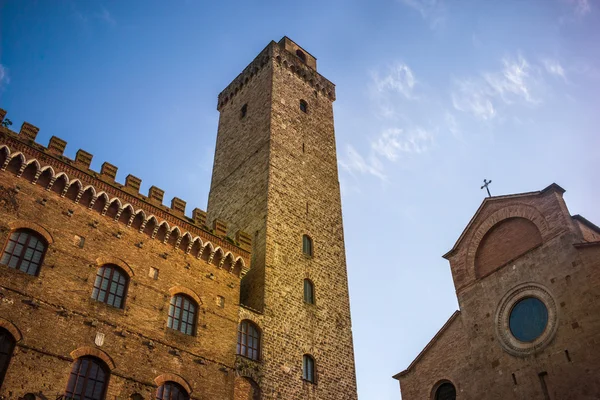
(307, 245)
(243, 110)
(308, 368)
(446, 391)
(303, 106)
(301, 55)
(309, 292)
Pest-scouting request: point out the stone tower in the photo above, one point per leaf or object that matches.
(275, 176)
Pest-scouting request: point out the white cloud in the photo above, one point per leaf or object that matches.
(399, 78)
(353, 163)
(452, 124)
(433, 11)
(395, 141)
(4, 78)
(553, 67)
(482, 95)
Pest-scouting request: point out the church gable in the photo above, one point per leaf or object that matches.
(505, 228)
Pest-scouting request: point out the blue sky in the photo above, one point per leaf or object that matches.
(433, 97)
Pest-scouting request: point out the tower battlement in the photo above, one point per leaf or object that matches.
(284, 53)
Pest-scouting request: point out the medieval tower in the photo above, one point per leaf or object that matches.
(276, 145)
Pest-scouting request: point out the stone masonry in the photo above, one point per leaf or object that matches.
(283, 161)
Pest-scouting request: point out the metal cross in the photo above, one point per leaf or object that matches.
(485, 185)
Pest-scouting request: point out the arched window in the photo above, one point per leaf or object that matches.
(308, 368)
(24, 251)
(88, 379)
(171, 391)
(303, 106)
(248, 344)
(301, 55)
(309, 292)
(307, 245)
(7, 345)
(446, 391)
(110, 286)
(182, 314)
(243, 110)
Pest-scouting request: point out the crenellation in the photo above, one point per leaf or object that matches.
(133, 183)
(29, 131)
(178, 206)
(199, 216)
(156, 194)
(108, 170)
(83, 158)
(244, 240)
(57, 146)
(219, 227)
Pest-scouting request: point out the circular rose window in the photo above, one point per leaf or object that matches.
(526, 319)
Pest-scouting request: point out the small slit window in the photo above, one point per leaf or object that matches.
(308, 368)
(307, 245)
(171, 391)
(182, 314)
(244, 111)
(88, 379)
(303, 106)
(110, 286)
(301, 55)
(248, 340)
(24, 251)
(309, 292)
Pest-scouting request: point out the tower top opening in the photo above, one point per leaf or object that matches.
(291, 46)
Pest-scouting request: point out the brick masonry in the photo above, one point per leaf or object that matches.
(274, 179)
(513, 241)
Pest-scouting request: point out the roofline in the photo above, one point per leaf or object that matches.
(428, 346)
(293, 41)
(552, 186)
(586, 222)
(586, 244)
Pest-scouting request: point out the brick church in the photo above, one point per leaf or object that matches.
(106, 293)
(527, 278)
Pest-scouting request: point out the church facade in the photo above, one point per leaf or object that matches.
(527, 278)
(106, 293)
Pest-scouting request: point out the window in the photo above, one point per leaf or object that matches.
(446, 391)
(24, 251)
(171, 391)
(308, 368)
(528, 319)
(307, 245)
(7, 345)
(243, 110)
(301, 55)
(182, 314)
(248, 340)
(309, 292)
(88, 379)
(303, 106)
(110, 286)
